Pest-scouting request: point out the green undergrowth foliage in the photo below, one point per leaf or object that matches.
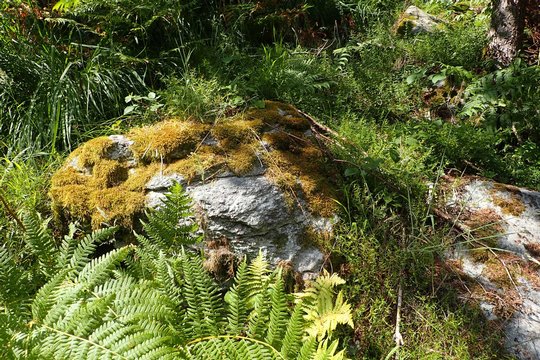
(52, 95)
(388, 240)
(155, 300)
(409, 108)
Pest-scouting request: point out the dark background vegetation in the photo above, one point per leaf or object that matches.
(411, 108)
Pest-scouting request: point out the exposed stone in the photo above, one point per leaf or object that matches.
(502, 228)
(164, 182)
(121, 148)
(416, 21)
(249, 211)
(259, 182)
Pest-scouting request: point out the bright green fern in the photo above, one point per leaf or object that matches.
(155, 300)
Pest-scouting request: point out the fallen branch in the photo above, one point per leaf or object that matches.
(398, 338)
(324, 130)
(11, 212)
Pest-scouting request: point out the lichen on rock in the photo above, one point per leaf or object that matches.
(416, 21)
(110, 180)
(499, 253)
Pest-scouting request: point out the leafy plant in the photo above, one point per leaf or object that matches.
(140, 302)
(506, 99)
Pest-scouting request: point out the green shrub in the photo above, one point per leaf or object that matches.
(460, 45)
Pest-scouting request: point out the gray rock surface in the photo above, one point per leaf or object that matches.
(121, 148)
(517, 214)
(417, 21)
(253, 215)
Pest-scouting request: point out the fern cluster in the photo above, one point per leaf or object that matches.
(152, 301)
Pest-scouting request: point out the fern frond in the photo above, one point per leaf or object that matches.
(259, 317)
(45, 297)
(166, 279)
(68, 246)
(278, 313)
(292, 340)
(40, 242)
(87, 246)
(203, 304)
(14, 305)
(168, 225)
(309, 346)
(327, 351)
(237, 301)
(259, 282)
(100, 312)
(232, 347)
(12, 286)
(98, 270)
(322, 310)
(258, 278)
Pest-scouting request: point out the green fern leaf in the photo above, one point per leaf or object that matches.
(237, 301)
(292, 341)
(322, 310)
(278, 313)
(167, 225)
(203, 305)
(40, 242)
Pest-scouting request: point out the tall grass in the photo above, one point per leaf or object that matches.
(52, 96)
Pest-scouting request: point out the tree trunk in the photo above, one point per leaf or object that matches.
(506, 33)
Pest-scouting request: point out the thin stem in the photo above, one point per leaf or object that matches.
(10, 211)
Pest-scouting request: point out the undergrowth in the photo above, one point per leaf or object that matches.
(409, 107)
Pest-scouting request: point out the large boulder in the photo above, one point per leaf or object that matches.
(260, 181)
(499, 255)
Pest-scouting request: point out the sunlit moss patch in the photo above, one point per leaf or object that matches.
(139, 176)
(199, 165)
(92, 152)
(115, 206)
(167, 140)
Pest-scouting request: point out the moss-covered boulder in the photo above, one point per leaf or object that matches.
(416, 21)
(259, 180)
(498, 254)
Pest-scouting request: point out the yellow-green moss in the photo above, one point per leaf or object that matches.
(233, 133)
(485, 224)
(404, 24)
(503, 269)
(72, 198)
(67, 175)
(197, 165)
(138, 177)
(513, 205)
(115, 206)
(276, 113)
(240, 161)
(167, 140)
(92, 151)
(279, 140)
(298, 164)
(107, 173)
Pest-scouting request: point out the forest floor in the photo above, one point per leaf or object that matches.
(411, 108)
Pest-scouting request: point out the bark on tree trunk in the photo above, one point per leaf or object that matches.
(506, 33)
